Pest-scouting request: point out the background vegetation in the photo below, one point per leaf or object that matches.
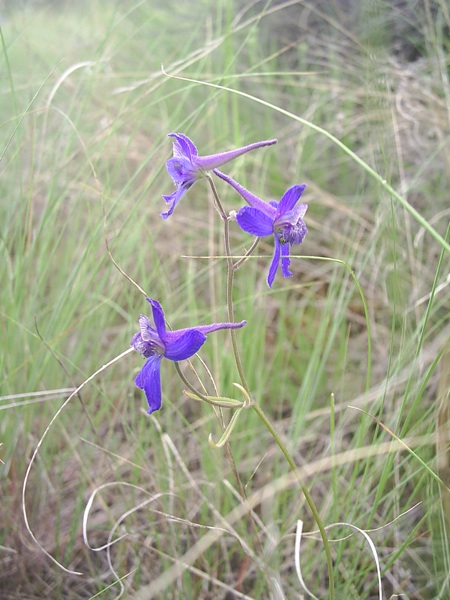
(85, 109)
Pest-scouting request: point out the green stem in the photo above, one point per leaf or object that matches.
(259, 411)
(230, 278)
(199, 396)
(255, 406)
(239, 262)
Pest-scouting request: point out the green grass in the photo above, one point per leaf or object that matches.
(85, 110)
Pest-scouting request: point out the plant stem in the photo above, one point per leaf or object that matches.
(230, 278)
(259, 411)
(255, 406)
(239, 262)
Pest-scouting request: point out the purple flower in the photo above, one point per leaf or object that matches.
(283, 220)
(186, 166)
(156, 343)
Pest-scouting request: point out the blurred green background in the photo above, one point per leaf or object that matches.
(85, 109)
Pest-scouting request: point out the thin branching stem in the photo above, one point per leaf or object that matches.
(230, 278)
(255, 406)
(249, 252)
(230, 307)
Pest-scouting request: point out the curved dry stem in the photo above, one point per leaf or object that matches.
(36, 450)
(113, 529)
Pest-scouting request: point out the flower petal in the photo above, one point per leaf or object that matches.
(145, 328)
(180, 347)
(183, 146)
(158, 318)
(149, 380)
(250, 198)
(207, 163)
(300, 210)
(139, 344)
(181, 170)
(289, 199)
(293, 217)
(254, 221)
(275, 262)
(285, 260)
(174, 198)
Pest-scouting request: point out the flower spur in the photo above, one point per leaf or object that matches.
(186, 166)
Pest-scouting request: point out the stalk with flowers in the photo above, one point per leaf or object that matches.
(156, 341)
(281, 219)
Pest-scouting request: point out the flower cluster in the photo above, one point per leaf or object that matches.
(281, 219)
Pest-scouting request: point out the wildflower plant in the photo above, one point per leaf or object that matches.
(283, 222)
(281, 219)
(156, 341)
